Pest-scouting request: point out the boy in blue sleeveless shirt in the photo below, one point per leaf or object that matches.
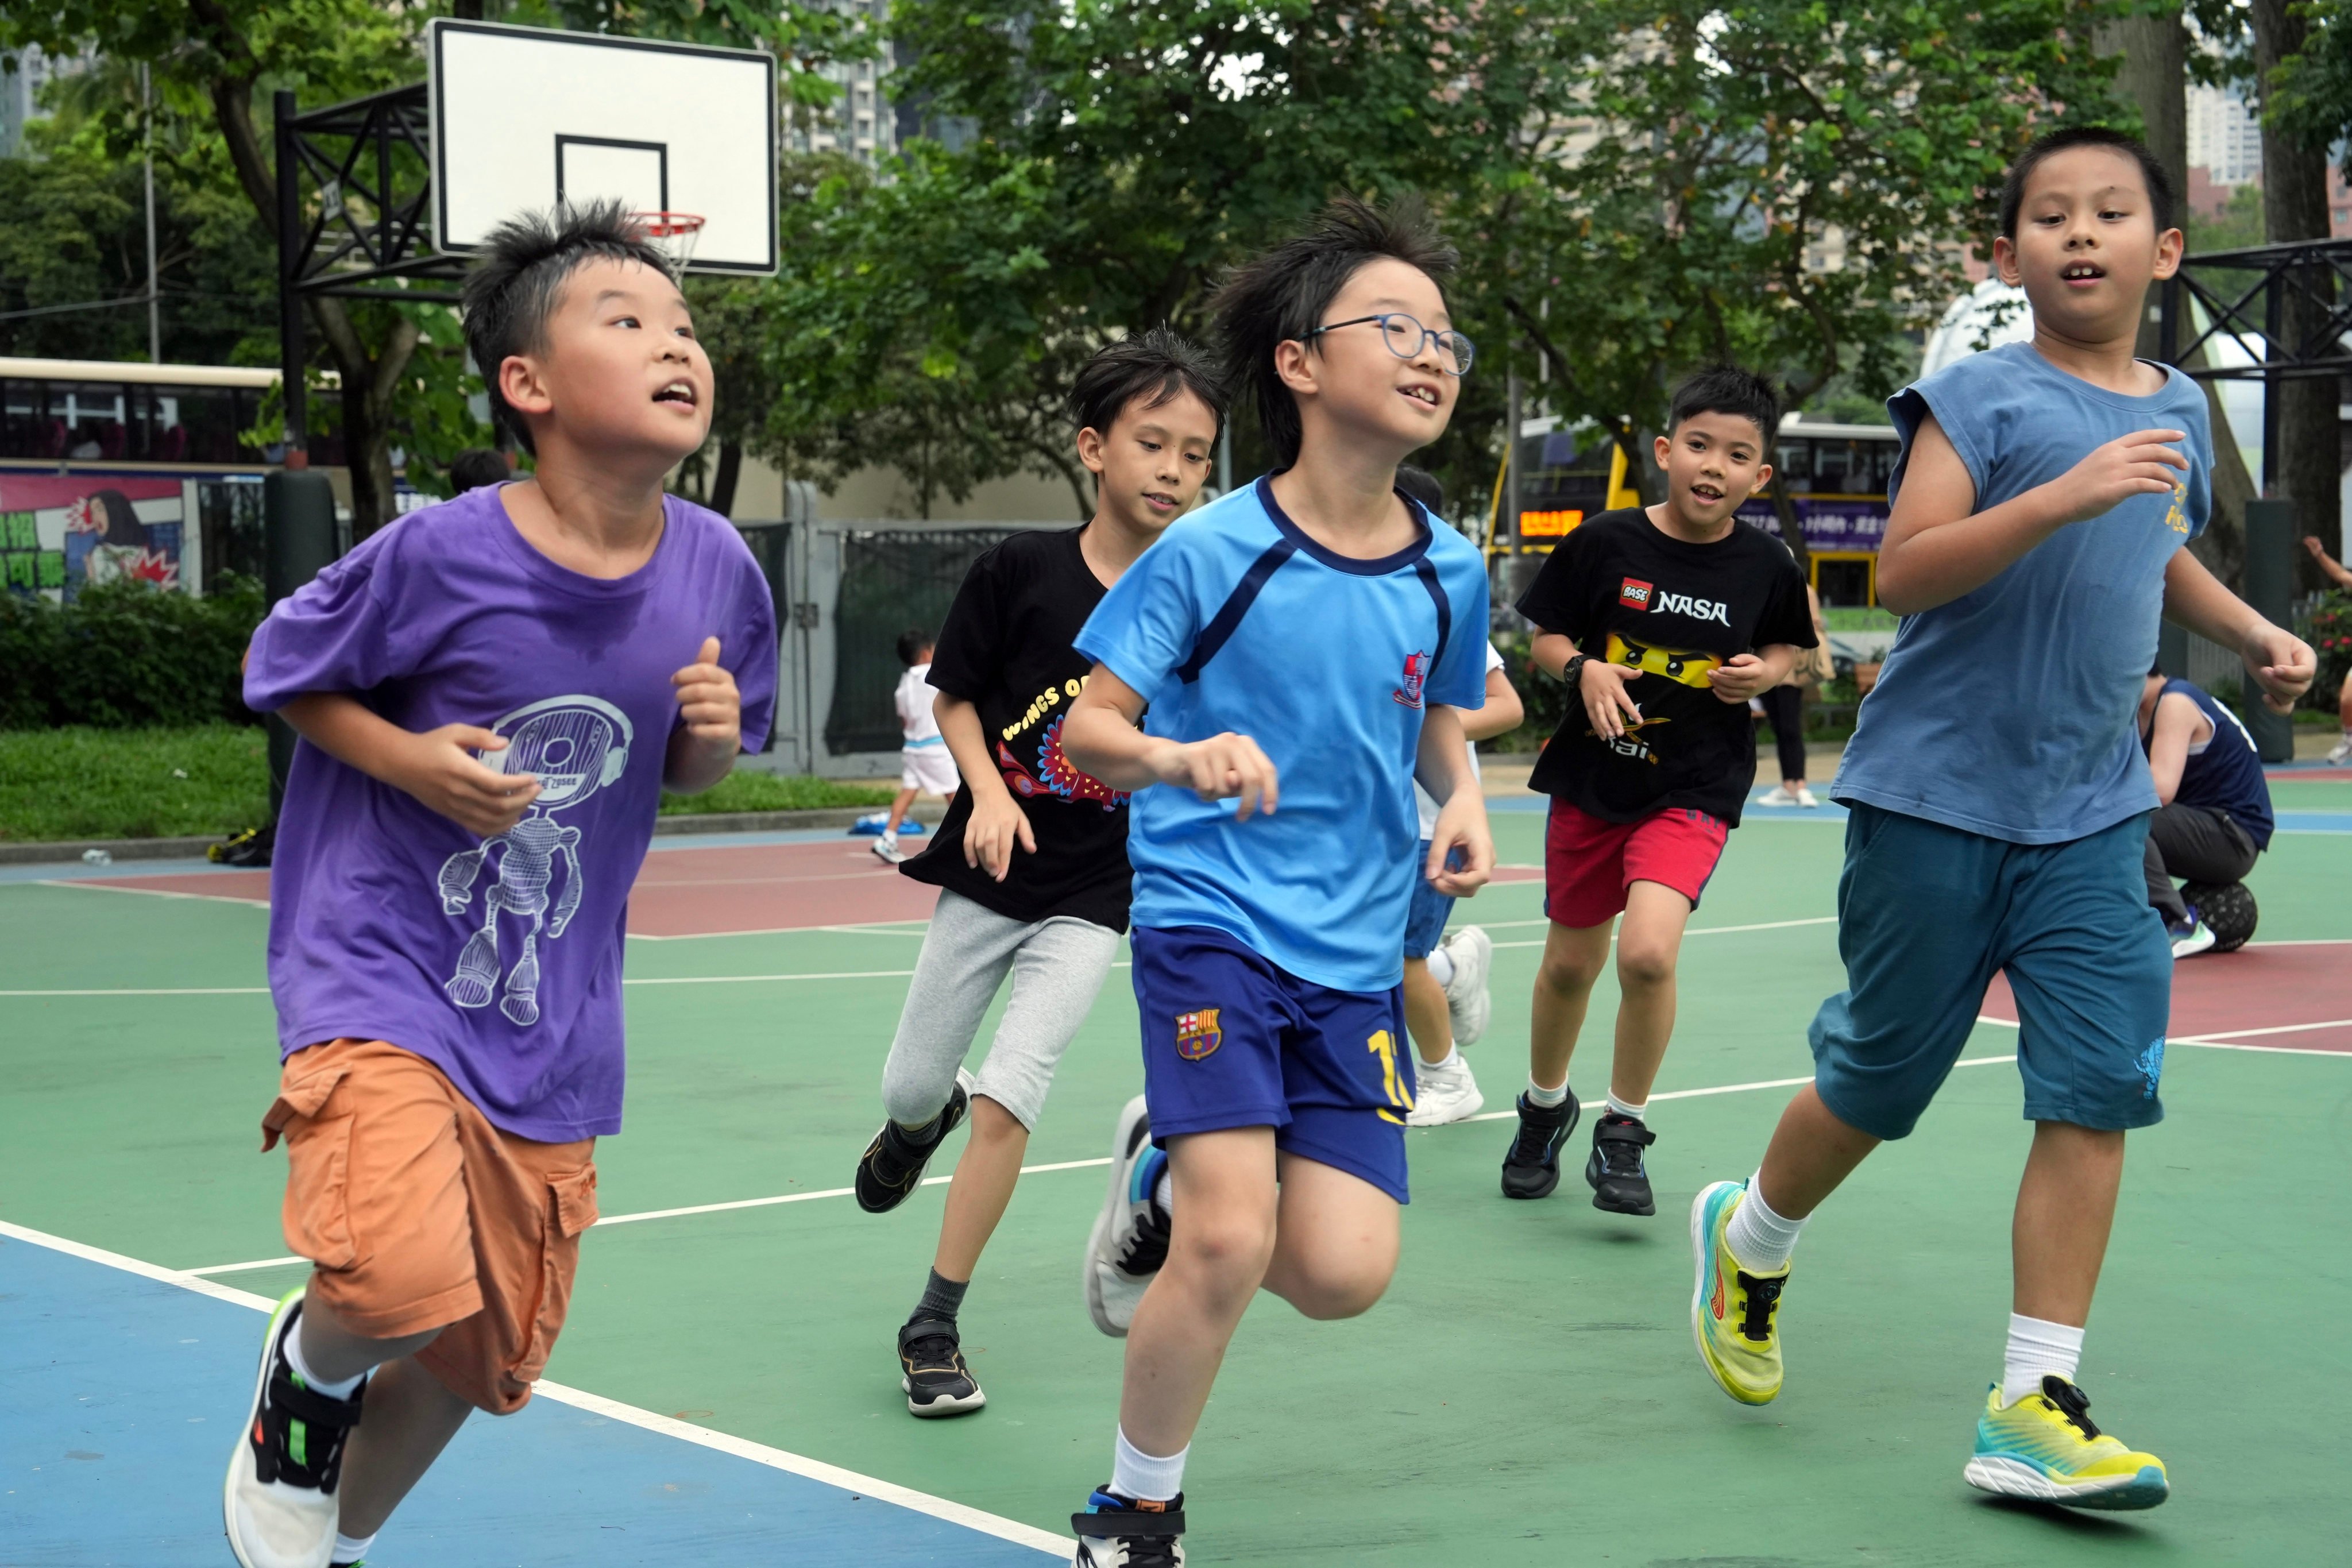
(2041, 502)
(1303, 644)
(2213, 816)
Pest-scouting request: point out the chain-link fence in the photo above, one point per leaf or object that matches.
(892, 581)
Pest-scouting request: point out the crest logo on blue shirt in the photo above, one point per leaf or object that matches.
(1417, 672)
(2151, 1066)
(1198, 1034)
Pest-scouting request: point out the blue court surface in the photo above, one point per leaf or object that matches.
(151, 1369)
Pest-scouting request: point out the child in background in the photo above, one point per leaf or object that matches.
(1664, 620)
(1999, 804)
(2213, 816)
(1446, 1003)
(1031, 860)
(2335, 571)
(491, 695)
(924, 762)
(1321, 623)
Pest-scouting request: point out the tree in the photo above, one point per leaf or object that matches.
(1119, 158)
(217, 61)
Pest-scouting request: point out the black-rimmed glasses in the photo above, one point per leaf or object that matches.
(1405, 335)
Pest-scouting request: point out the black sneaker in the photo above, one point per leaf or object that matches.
(1119, 1532)
(1620, 1182)
(1531, 1165)
(937, 1381)
(279, 1506)
(893, 1163)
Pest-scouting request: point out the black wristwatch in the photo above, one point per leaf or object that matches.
(1572, 671)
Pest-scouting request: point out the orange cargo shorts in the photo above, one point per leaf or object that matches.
(417, 1214)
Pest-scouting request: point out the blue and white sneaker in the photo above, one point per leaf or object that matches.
(2192, 936)
(871, 825)
(1131, 1235)
(1119, 1532)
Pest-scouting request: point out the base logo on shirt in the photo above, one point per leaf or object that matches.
(1416, 674)
(1198, 1034)
(1634, 593)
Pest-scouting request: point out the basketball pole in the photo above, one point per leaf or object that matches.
(297, 503)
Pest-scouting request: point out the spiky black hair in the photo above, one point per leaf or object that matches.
(1153, 366)
(1728, 389)
(1282, 295)
(512, 290)
(2151, 173)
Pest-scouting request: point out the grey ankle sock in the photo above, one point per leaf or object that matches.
(941, 1298)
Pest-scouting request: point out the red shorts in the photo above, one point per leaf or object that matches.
(1589, 863)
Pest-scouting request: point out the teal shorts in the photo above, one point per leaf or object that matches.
(1928, 914)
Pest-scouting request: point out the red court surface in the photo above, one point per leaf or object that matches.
(714, 890)
(2259, 995)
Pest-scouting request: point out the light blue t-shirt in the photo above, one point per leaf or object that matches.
(2011, 711)
(1237, 621)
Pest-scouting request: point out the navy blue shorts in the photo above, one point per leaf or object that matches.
(1928, 914)
(1424, 922)
(1230, 1040)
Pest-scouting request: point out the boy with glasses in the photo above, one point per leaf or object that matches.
(1303, 645)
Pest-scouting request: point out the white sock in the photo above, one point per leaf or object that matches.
(1626, 1107)
(2037, 1348)
(347, 1550)
(343, 1390)
(1538, 1095)
(1441, 965)
(1759, 1238)
(1453, 1055)
(1136, 1474)
(1163, 1192)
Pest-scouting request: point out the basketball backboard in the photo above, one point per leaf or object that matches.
(524, 118)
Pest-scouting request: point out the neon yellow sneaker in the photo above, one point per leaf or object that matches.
(1732, 1309)
(2045, 1448)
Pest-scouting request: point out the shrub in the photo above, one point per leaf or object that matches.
(2329, 633)
(1546, 700)
(127, 654)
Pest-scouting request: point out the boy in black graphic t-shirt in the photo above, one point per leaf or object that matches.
(1031, 860)
(1663, 620)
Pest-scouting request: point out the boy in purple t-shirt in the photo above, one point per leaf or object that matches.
(492, 695)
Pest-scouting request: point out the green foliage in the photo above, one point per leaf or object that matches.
(749, 789)
(123, 655)
(2312, 95)
(86, 783)
(2329, 633)
(2238, 225)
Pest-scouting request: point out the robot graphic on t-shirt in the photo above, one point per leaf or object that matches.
(574, 746)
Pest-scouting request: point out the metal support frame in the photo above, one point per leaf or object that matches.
(2245, 294)
(354, 209)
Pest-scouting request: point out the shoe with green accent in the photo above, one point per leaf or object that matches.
(2046, 1449)
(279, 1504)
(1733, 1310)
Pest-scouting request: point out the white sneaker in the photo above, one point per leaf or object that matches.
(1131, 1235)
(1468, 1002)
(1777, 795)
(2190, 943)
(1443, 1093)
(2341, 750)
(1805, 797)
(887, 850)
(279, 1504)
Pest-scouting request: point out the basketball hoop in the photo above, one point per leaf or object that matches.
(673, 233)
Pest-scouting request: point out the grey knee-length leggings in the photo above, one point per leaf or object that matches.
(1057, 967)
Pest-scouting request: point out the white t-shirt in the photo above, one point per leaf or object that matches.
(1421, 798)
(914, 699)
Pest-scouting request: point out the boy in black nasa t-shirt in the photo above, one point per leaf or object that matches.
(1031, 860)
(1664, 620)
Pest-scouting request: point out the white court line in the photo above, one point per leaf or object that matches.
(941, 1508)
(875, 928)
(1740, 1088)
(1700, 931)
(98, 884)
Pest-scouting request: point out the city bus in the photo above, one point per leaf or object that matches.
(125, 470)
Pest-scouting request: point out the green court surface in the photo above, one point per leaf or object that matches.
(1526, 1393)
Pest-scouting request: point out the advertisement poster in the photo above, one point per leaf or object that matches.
(62, 533)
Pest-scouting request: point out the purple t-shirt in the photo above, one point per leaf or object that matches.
(498, 962)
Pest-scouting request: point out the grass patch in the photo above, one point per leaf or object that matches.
(749, 789)
(80, 783)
